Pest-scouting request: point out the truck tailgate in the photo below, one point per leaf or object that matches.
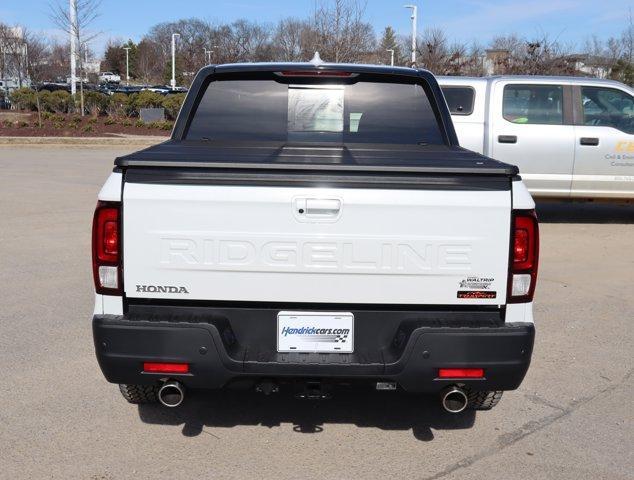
(316, 245)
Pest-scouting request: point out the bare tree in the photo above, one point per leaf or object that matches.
(441, 57)
(87, 13)
(13, 53)
(148, 61)
(36, 66)
(288, 39)
(538, 56)
(627, 39)
(340, 33)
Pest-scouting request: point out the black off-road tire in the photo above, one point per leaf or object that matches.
(139, 393)
(484, 400)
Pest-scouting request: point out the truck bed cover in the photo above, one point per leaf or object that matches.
(423, 159)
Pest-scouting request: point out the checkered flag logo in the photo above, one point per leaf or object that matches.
(341, 338)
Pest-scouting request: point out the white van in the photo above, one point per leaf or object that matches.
(570, 137)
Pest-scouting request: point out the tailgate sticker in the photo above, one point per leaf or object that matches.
(476, 287)
(476, 283)
(477, 294)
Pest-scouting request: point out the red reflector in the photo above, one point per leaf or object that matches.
(461, 373)
(315, 73)
(154, 367)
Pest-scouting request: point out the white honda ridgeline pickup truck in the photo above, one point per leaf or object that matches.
(314, 224)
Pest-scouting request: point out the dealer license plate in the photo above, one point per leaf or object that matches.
(322, 332)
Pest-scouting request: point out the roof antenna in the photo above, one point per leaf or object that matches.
(316, 60)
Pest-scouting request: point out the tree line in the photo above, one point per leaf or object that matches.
(339, 31)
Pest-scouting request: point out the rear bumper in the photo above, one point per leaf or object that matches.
(225, 344)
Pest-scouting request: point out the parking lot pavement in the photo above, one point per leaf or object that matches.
(571, 418)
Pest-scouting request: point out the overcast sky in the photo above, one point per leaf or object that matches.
(569, 21)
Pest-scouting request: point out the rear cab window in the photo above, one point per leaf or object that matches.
(459, 99)
(308, 110)
(533, 104)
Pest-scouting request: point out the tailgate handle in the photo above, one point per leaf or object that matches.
(507, 139)
(317, 209)
(318, 206)
(589, 141)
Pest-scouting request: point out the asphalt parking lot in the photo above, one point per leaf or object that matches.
(571, 419)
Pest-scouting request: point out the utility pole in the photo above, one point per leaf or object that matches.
(173, 81)
(73, 46)
(208, 56)
(391, 50)
(414, 9)
(127, 65)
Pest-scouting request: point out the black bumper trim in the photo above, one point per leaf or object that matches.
(216, 357)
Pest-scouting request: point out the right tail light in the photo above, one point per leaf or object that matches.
(524, 257)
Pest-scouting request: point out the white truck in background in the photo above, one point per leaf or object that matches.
(572, 138)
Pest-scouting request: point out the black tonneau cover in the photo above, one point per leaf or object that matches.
(353, 158)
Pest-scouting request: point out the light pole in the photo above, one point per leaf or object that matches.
(72, 15)
(127, 65)
(173, 81)
(414, 9)
(391, 50)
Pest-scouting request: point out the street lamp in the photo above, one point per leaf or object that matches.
(414, 9)
(391, 50)
(209, 52)
(127, 65)
(173, 81)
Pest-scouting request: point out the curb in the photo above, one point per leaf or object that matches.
(135, 140)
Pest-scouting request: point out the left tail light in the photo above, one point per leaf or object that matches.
(106, 248)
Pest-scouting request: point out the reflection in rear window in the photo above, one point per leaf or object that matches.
(266, 110)
(459, 99)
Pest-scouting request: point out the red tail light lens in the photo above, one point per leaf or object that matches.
(524, 242)
(524, 256)
(106, 248)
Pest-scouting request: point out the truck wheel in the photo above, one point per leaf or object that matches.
(139, 393)
(484, 400)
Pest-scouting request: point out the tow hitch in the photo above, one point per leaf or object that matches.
(314, 391)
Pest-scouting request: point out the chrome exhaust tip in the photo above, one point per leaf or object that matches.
(454, 399)
(171, 394)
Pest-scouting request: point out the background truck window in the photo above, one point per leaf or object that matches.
(459, 99)
(533, 104)
(363, 112)
(608, 107)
